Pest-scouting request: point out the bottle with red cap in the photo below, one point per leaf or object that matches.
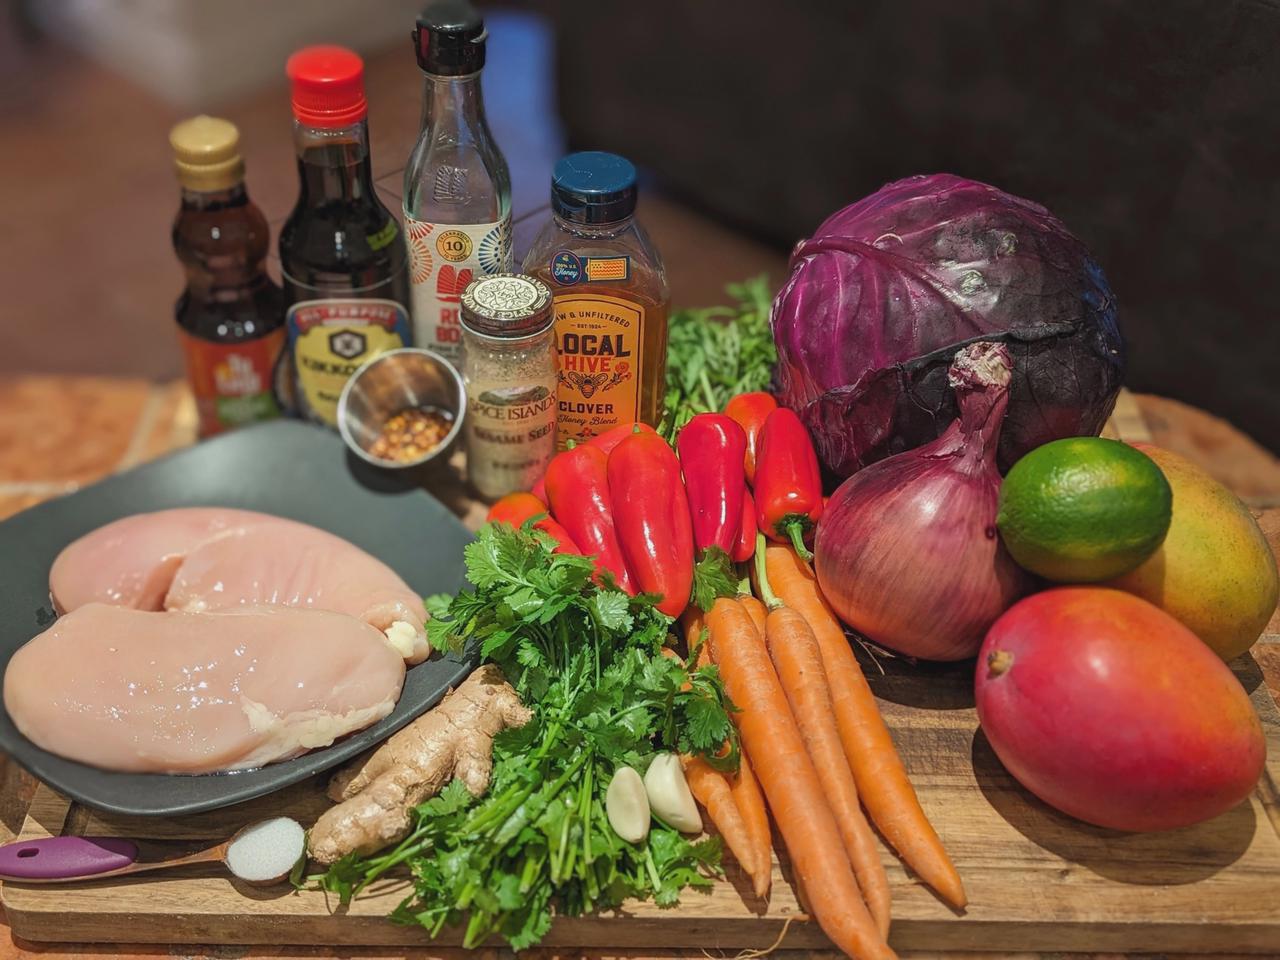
(342, 257)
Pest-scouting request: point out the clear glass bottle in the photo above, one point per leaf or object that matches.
(346, 279)
(457, 189)
(509, 369)
(230, 315)
(611, 298)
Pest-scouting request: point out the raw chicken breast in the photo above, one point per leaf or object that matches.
(204, 559)
(130, 563)
(276, 561)
(162, 692)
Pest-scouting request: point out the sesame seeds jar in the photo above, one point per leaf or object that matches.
(509, 371)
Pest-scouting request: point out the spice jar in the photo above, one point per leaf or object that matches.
(509, 369)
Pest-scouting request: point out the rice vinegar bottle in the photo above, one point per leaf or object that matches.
(457, 189)
(611, 298)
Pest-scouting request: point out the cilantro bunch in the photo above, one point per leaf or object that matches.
(716, 353)
(587, 659)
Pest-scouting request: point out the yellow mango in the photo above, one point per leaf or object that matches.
(1215, 571)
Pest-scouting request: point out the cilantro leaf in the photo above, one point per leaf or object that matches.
(713, 577)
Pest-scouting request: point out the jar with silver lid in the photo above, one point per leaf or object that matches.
(509, 368)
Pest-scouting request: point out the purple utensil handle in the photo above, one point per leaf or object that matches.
(63, 858)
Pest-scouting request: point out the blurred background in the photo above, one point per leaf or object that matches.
(1151, 128)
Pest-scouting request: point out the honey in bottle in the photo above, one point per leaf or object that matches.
(610, 296)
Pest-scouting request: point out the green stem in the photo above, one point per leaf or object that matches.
(796, 529)
(588, 794)
(477, 930)
(767, 596)
(651, 867)
(708, 392)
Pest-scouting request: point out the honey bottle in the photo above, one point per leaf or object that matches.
(610, 298)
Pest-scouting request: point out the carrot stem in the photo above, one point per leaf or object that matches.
(762, 575)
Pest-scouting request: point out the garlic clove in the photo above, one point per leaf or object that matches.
(669, 795)
(626, 804)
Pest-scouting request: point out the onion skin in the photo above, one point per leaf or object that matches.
(907, 551)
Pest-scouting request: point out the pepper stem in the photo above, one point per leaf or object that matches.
(796, 531)
(767, 596)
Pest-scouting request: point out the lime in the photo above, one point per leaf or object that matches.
(1083, 509)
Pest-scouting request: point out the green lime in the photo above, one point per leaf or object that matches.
(1083, 509)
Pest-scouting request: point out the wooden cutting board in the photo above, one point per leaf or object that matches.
(1037, 880)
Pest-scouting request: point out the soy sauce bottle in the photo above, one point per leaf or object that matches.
(230, 314)
(342, 256)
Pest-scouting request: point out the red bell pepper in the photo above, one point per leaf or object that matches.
(750, 410)
(788, 487)
(651, 512)
(605, 441)
(516, 508)
(745, 546)
(712, 449)
(578, 488)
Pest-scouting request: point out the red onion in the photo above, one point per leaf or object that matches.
(907, 551)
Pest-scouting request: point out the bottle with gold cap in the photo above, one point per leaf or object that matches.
(231, 315)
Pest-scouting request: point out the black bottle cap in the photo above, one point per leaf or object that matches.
(593, 187)
(449, 39)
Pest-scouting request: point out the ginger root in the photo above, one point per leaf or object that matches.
(375, 795)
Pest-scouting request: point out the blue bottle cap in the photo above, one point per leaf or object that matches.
(593, 187)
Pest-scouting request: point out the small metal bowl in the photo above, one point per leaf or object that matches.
(392, 382)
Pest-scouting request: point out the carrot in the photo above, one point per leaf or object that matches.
(756, 858)
(750, 801)
(756, 611)
(710, 788)
(877, 769)
(795, 654)
(746, 789)
(790, 782)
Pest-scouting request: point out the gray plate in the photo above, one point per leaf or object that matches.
(286, 468)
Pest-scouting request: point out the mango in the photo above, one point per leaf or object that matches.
(1215, 572)
(1115, 713)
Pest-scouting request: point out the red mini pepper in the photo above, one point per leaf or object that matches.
(578, 487)
(745, 546)
(788, 487)
(651, 512)
(750, 410)
(605, 441)
(712, 450)
(516, 508)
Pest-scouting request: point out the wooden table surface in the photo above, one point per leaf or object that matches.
(59, 433)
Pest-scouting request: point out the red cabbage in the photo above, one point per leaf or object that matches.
(888, 289)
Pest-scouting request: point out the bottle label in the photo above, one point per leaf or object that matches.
(443, 259)
(599, 356)
(511, 437)
(567, 268)
(331, 339)
(232, 381)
